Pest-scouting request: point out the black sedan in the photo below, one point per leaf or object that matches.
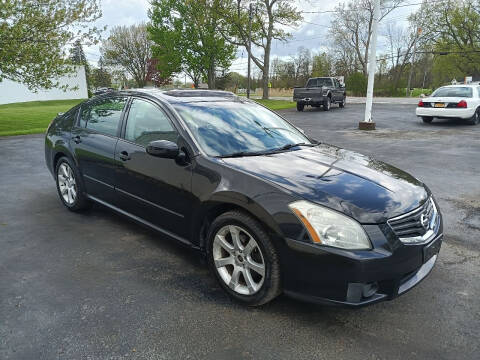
(271, 209)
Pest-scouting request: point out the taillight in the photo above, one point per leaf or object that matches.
(421, 104)
(462, 104)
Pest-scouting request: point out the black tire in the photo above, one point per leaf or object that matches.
(475, 119)
(343, 102)
(300, 106)
(81, 201)
(271, 286)
(427, 119)
(327, 104)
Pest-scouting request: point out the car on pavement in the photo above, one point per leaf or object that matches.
(273, 210)
(320, 91)
(452, 102)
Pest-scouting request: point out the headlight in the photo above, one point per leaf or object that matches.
(328, 227)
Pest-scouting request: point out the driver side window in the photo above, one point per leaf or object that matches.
(147, 122)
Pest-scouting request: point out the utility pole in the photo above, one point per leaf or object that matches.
(419, 32)
(368, 124)
(250, 15)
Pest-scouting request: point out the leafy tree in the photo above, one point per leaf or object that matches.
(100, 77)
(357, 84)
(129, 48)
(186, 39)
(267, 24)
(77, 57)
(322, 65)
(154, 75)
(34, 35)
(453, 29)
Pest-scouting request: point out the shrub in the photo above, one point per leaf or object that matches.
(357, 84)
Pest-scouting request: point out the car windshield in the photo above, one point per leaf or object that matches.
(319, 82)
(462, 92)
(235, 127)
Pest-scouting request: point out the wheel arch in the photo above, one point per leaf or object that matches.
(221, 203)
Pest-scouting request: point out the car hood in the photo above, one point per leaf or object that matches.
(368, 190)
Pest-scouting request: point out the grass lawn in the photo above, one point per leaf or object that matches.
(31, 117)
(277, 104)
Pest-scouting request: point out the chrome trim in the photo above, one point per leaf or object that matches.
(429, 234)
(98, 181)
(149, 202)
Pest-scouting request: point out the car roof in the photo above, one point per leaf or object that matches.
(184, 96)
(459, 85)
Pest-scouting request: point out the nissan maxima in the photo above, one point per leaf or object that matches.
(272, 210)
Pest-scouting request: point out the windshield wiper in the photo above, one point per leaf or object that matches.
(242, 153)
(289, 146)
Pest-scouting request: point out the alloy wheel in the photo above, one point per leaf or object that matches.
(238, 260)
(67, 184)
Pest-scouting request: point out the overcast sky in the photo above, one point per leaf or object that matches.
(311, 33)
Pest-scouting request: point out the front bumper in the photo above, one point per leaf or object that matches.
(357, 278)
(445, 112)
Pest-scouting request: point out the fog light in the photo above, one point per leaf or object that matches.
(357, 292)
(369, 289)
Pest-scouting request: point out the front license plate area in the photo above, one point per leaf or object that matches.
(431, 249)
(439, 105)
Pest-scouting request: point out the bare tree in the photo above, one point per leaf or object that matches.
(267, 22)
(351, 27)
(401, 42)
(129, 48)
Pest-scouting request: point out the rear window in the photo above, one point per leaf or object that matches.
(462, 92)
(319, 82)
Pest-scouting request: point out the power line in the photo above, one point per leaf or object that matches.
(382, 8)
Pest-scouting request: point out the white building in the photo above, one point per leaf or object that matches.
(13, 92)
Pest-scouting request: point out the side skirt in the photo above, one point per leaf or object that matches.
(144, 222)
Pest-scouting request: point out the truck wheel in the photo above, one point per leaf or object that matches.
(327, 104)
(343, 102)
(300, 106)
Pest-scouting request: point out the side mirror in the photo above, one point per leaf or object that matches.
(163, 149)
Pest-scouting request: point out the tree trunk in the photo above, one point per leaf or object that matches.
(266, 69)
(211, 75)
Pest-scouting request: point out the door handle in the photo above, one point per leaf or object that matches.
(77, 139)
(124, 156)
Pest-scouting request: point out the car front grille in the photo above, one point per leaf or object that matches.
(418, 225)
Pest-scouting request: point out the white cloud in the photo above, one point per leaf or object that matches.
(311, 33)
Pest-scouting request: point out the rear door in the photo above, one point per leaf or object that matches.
(93, 141)
(157, 190)
(338, 91)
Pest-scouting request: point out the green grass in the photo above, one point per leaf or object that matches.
(31, 117)
(277, 104)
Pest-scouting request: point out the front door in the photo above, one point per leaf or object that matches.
(93, 141)
(157, 190)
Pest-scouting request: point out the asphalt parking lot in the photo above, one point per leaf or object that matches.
(96, 286)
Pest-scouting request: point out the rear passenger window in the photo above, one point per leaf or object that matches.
(103, 115)
(147, 122)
